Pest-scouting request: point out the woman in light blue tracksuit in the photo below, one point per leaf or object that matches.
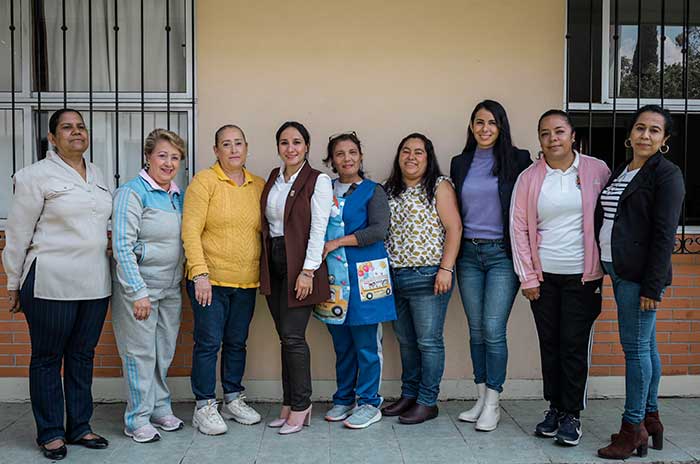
(361, 292)
(146, 298)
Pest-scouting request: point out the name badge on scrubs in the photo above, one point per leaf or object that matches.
(374, 280)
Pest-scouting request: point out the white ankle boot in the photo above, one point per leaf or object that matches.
(473, 414)
(491, 414)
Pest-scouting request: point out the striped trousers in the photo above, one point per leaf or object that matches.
(61, 332)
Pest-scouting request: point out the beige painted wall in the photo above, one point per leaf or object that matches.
(383, 69)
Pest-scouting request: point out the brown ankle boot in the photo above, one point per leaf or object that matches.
(655, 429)
(631, 438)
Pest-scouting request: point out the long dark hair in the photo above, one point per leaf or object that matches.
(504, 161)
(395, 185)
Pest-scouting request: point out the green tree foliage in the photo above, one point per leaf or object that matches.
(650, 67)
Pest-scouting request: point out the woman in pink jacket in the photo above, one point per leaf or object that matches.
(556, 258)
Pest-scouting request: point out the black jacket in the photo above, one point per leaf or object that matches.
(644, 230)
(459, 168)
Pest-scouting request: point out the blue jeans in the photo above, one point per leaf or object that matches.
(638, 338)
(488, 285)
(225, 322)
(419, 330)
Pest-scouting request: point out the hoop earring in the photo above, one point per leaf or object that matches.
(661, 148)
(147, 166)
(540, 154)
(628, 143)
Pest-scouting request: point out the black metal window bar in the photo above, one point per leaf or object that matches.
(622, 54)
(150, 42)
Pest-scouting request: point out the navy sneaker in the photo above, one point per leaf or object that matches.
(549, 426)
(569, 433)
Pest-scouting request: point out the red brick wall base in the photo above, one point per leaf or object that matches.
(677, 327)
(678, 332)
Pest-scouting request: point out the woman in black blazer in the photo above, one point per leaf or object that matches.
(636, 219)
(484, 175)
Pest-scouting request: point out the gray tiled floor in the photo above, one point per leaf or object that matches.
(443, 440)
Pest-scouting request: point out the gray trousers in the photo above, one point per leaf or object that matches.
(146, 349)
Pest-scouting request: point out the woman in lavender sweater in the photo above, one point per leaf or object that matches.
(484, 175)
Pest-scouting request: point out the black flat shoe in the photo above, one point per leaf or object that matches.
(54, 454)
(93, 443)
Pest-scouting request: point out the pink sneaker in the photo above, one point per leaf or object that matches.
(144, 434)
(168, 423)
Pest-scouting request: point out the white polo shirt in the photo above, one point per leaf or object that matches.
(560, 221)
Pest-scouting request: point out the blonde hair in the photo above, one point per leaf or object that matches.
(162, 134)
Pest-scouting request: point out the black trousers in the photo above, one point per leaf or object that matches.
(291, 326)
(61, 332)
(564, 316)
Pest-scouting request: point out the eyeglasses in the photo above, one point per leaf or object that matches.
(341, 134)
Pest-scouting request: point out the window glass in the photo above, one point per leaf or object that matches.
(129, 141)
(602, 139)
(119, 155)
(585, 38)
(6, 134)
(640, 49)
(128, 48)
(6, 47)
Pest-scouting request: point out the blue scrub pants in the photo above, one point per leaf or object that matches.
(358, 365)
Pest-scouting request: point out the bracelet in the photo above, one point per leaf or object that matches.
(308, 274)
(200, 276)
(451, 271)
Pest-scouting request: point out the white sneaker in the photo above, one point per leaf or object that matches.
(339, 412)
(239, 411)
(472, 415)
(208, 420)
(363, 417)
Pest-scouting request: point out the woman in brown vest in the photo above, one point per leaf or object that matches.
(296, 203)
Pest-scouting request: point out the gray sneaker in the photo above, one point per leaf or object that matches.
(363, 417)
(339, 412)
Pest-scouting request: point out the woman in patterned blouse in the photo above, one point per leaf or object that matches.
(423, 242)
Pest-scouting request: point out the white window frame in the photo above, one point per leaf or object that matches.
(26, 100)
(622, 104)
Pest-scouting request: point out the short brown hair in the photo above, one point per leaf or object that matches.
(162, 134)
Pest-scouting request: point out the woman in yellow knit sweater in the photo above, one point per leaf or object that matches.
(221, 235)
